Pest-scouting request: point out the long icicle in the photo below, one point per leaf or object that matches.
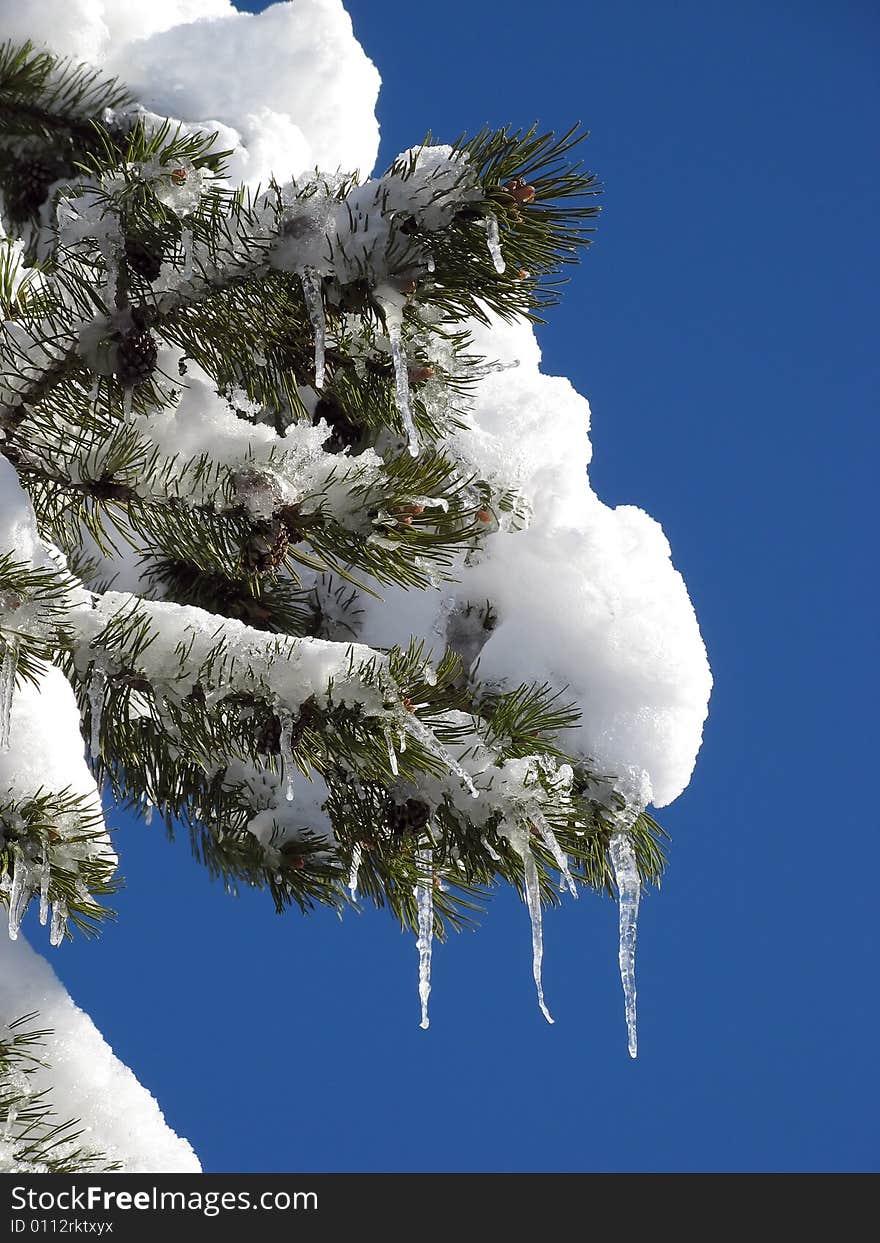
(424, 893)
(401, 380)
(519, 840)
(96, 688)
(311, 284)
(286, 750)
(7, 689)
(629, 886)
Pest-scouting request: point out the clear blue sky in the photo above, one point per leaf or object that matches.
(724, 327)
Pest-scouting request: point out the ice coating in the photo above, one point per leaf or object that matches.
(425, 901)
(626, 874)
(550, 840)
(493, 241)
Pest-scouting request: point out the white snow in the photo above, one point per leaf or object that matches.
(120, 1117)
(289, 88)
(586, 596)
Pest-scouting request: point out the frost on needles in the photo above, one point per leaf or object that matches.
(297, 543)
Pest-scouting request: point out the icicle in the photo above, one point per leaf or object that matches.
(626, 874)
(45, 877)
(493, 239)
(311, 284)
(424, 893)
(401, 741)
(148, 811)
(356, 856)
(186, 245)
(533, 901)
(127, 401)
(11, 1119)
(20, 894)
(7, 689)
(59, 922)
(286, 745)
(96, 689)
(394, 321)
(548, 837)
(422, 734)
(392, 754)
(430, 263)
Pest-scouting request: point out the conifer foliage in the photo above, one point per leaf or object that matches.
(228, 423)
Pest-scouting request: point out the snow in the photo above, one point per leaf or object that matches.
(120, 1117)
(289, 88)
(586, 596)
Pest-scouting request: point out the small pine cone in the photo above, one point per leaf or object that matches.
(266, 548)
(136, 357)
(143, 257)
(407, 818)
(31, 178)
(520, 191)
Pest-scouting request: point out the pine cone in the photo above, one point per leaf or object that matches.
(266, 548)
(144, 257)
(407, 818)
(31, 178)
(136, 357)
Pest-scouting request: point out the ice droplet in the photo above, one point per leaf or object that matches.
(548, 837)
(626, 874)
(356, 856)
(424, 893)
(311, 284)
(286, 745)
(7, 689)
(493, 240)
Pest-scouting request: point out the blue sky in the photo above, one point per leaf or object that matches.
(724, 328)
